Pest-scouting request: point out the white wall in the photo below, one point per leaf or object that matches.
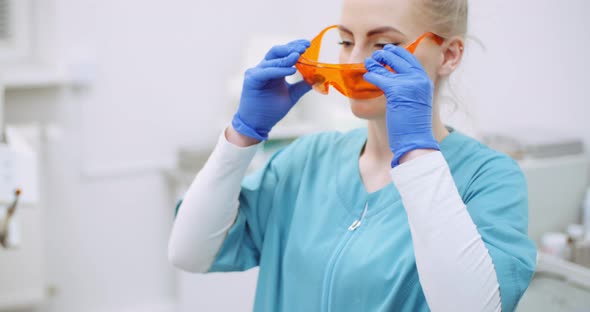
(533, 72)
(108, 208)
(161, 73)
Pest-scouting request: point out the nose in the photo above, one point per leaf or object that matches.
(358, 54)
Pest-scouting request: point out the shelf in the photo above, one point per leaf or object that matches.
(572, 272)
(28, 298)
(33, 76)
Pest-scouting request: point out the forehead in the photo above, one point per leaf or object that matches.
(362, 15)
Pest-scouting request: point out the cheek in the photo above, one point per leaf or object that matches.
(342, 56)
(429, 60)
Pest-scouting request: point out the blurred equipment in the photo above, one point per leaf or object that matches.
(573, 246)
(558, 285)
(6, 236)
(556, 245)
(534, 145)
(557, 171)
(21, 257)
(586, 214)
(581, 253)
(579, 244)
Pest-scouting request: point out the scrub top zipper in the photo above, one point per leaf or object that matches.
(329, 275)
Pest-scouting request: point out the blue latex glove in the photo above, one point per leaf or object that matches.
(266, 96)
(409, 99)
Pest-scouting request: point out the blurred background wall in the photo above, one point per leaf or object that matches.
(157, 79)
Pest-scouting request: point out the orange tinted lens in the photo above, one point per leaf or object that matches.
(346, 78)
(309, 73)
(356, 86)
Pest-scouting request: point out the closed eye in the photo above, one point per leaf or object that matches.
(345, 44)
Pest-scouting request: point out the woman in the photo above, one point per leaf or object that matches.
(406, 215)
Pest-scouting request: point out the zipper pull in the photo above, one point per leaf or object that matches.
(354, 225)
(358, 222)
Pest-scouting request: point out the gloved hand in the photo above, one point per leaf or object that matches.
(409, 99)
(266, 96)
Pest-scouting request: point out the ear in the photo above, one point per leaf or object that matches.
(452, 50)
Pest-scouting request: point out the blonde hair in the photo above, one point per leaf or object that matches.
(446, 18)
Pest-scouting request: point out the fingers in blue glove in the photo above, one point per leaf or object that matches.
(404, 54)
(263, 75)
(281, 51)
(378, 68)
(377, 74)
(382, 82)
(298, 89)
(287, 61)
(394, 61)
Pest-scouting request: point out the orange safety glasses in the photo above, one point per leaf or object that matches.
(346, 78)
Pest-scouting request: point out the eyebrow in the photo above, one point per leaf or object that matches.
(372, 32)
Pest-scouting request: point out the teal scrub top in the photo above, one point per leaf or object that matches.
(294, 217)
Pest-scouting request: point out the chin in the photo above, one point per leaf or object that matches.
(368, 109)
